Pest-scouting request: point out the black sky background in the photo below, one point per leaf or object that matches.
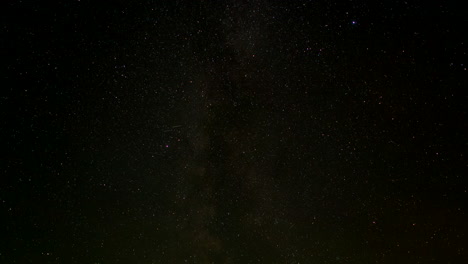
(233, 132)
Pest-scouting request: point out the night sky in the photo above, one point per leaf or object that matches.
(233, 132)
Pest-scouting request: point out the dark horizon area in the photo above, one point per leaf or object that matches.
(233, 132)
